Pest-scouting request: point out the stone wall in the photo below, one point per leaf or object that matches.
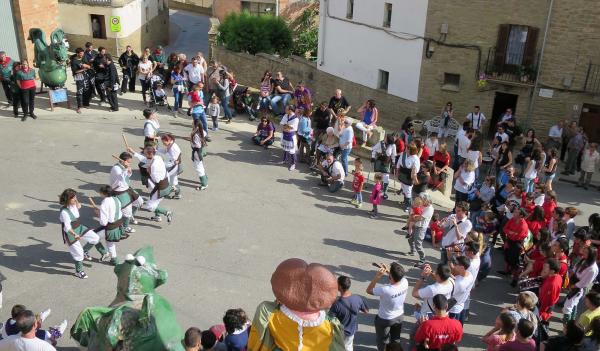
(34, 14)
(157, 34)
(573, 39)
(199, 6)
(249, 70)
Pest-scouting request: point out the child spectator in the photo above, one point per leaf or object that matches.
(435, 230)
(376, 195)
(358, 183)
(237, 327)
(416, 213)
(214, 110)
(247, 103)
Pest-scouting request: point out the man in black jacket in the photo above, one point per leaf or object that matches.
(128, 61)
(101, 73)
(321, 120)
(111, 84)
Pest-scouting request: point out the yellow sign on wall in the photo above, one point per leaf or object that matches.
(115, 24)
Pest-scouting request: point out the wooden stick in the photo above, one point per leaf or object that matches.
(92, 202)
(125, 141)
(118, 158)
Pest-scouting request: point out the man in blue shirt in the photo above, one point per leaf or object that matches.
(346, 309)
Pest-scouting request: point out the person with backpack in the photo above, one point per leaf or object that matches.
(388, 322)
(382, 156)
(346, 309)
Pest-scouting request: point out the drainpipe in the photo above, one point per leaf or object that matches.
(276, 8)
(538, 73)
(323, 13)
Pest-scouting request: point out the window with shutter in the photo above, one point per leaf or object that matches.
(501, 44)
(529, 54)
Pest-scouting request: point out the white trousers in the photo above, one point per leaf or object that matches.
(199, 167)
(111, 246)
(154, 200)
(386, 178)
(407, 190)
(571, 303)
(76, 249)
(173, 180)
(365, 129)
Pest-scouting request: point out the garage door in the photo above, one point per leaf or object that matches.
(8, 40)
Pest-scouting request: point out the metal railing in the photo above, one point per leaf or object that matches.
(592, 79)
(509, 68)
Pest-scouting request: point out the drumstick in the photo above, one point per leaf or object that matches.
(92, 202)
(125, 141)
(118, 158)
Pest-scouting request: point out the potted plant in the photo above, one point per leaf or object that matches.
(522, 73)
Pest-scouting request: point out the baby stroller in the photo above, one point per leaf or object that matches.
(158, 96)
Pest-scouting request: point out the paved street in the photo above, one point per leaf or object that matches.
(224, 243)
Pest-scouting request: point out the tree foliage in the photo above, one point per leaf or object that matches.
(306, 33)
(243, 32)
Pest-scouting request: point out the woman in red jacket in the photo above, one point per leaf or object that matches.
(549, 206)
(516, 231)
(550, 288)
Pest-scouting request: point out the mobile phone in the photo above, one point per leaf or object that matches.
(376, 265)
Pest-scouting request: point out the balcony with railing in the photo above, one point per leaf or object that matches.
(514, 68)
(592, 79)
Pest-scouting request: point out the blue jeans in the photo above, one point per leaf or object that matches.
(358, 197)
(335, 186)
(529, 185)
(276, 98)
(201, 117)
(344, 159)
(178, 98)
(458, 316)
(225, 104)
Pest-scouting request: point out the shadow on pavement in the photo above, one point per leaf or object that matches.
(37, 257)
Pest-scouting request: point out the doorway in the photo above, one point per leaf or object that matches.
(502, 101)
(98, 26)
(590, 121)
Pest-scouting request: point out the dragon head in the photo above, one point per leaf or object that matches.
(138, 275)
(57, 46)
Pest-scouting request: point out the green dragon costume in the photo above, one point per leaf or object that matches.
(50, 59)
(138, 319)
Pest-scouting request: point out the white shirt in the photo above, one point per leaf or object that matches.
(462, 290)
(589, 162)
(18, 343)
(336, 169)
(427, 214)
(587, 276)
(412, 162)
(390, 150)
(473, 155)
(531, 172)
(463, 145)
(151, 128)
(427, 293)
(293, 123)
(391, 299)
(157, 168)
(144, 67)
(118, 178)
(170, 154)
(194, 74)
(108, 207)
(503, 137)
(476, 120)
(464, 181)
(555, 131)
(474, 266)
(433, 145)
(65, 219)
(464, 227)
(506, 117)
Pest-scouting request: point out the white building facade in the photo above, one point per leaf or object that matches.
(376, 43)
